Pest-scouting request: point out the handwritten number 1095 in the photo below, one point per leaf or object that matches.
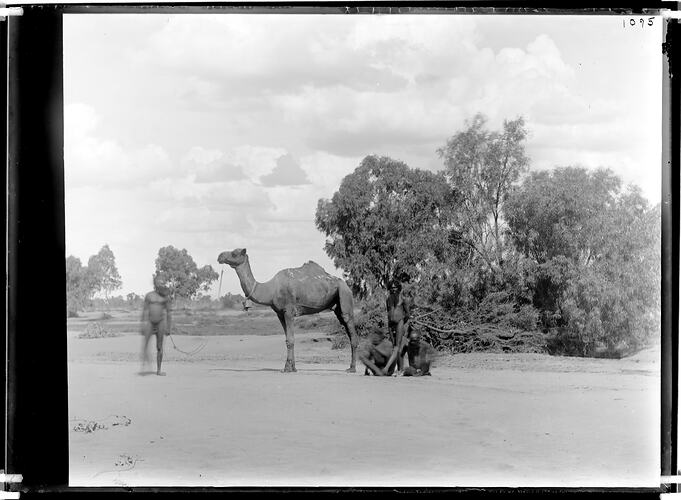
(633, 22)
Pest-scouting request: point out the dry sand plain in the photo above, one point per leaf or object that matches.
(227, 416)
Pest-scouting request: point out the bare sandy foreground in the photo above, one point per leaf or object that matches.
(227, 416)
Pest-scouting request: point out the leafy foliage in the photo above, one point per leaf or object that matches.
(596, 247)
(562, 213)
(482, 166)
(104, 271)
(134, 301)
(178, 272)
(83, 282)
(566, 260)
(385, 222)
(80, 285)
(97, 331)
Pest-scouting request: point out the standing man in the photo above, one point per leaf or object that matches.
(398, 316)
(156, 321)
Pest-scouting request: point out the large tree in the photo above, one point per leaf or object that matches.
(180, 274)
(597, 251)
(386, 221)
(482, 165)
(104, 270)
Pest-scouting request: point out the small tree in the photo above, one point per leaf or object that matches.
(180, 274)
(103, 268)
(80, 285)
(134, 300)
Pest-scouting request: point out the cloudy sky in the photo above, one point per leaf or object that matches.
(211, 132)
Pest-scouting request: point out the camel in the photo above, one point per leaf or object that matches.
(308, 289)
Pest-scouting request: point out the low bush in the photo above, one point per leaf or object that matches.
(97, 331)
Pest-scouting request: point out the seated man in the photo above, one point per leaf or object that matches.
(419, 354)
(376, 354)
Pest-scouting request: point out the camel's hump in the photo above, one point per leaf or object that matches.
(312, 266)
(308, 270)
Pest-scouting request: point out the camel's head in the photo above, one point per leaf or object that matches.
(233, 258)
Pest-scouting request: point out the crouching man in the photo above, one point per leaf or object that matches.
(376, 353)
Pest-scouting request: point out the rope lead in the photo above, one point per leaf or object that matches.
(191, 353)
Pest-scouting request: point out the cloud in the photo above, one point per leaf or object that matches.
(316, 74)
(245, 122)
(326, 171)
(199, 219)
(286, 173)
(250, 50)
(397, 85)
(90, 160)
(444, 88)
(210, 165)
(255, 161)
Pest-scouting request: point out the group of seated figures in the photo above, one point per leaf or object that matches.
(384, 352)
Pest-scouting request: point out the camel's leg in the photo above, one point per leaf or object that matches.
(345, 315)
(286, 320)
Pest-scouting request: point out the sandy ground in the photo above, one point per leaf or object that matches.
(227, 416)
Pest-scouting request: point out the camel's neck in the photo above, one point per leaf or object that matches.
(257, 292)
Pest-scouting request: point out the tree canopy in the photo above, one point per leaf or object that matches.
(80, 285)
(482, 165)
(83, 282)
(562, 212)
(180, 274)
(568, 250)
(104, 271)
(384, 222)
(597, 250)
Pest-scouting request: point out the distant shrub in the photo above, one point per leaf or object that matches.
(317, 322)
(232, 301)
(97, 331)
